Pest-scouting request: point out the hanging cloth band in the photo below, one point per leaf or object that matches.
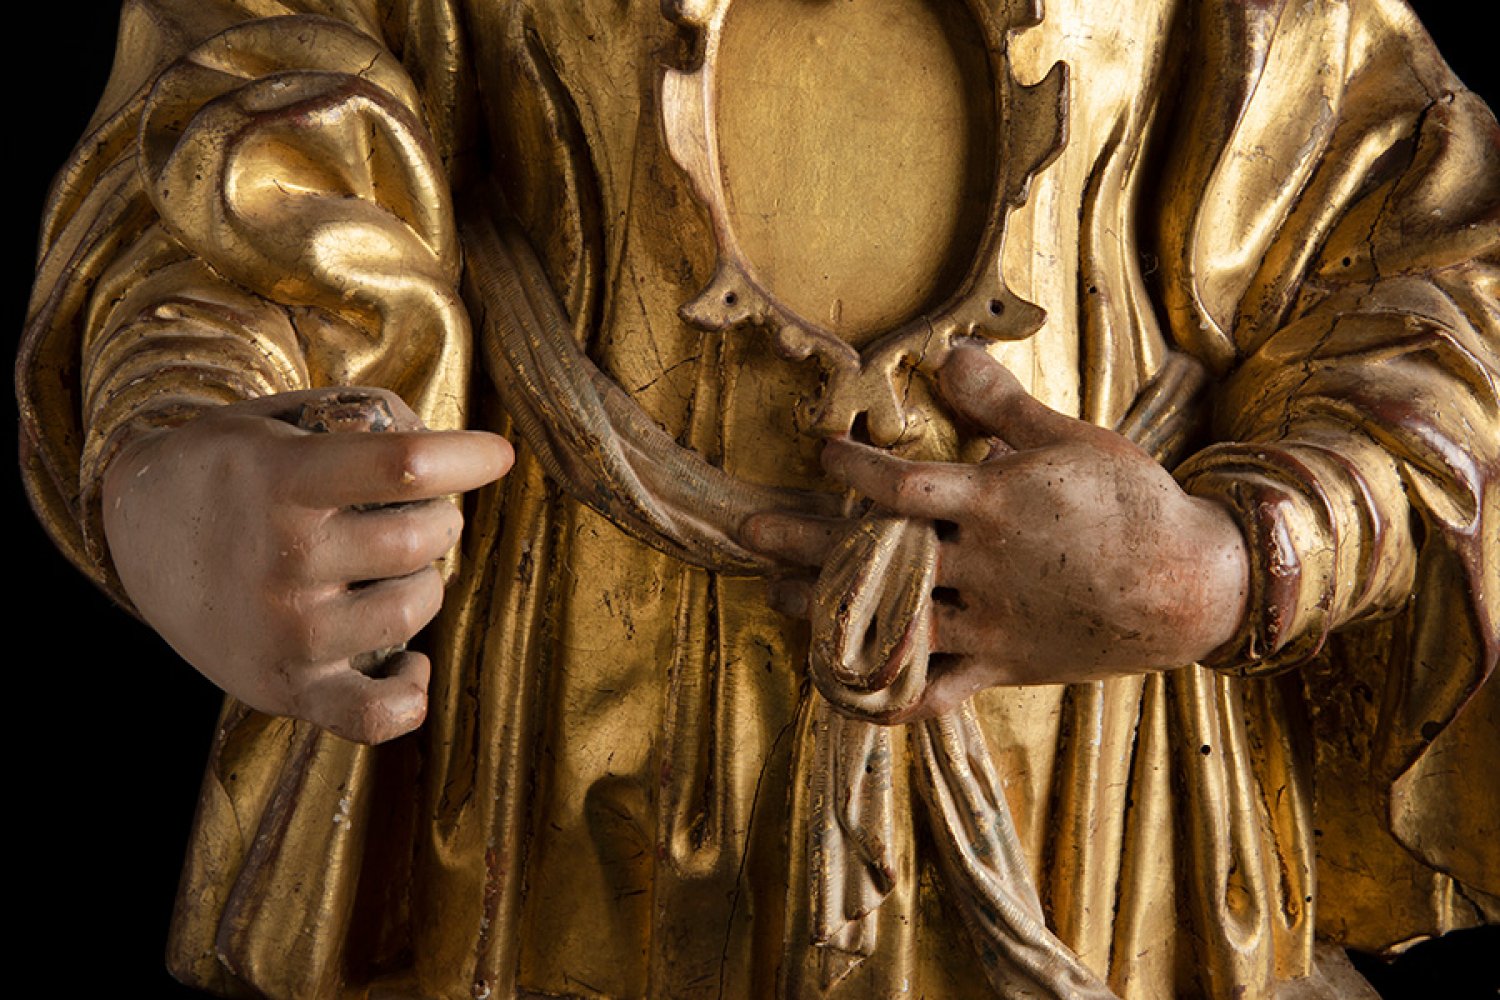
(605, 451)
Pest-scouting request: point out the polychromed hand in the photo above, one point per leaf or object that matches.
(1067, 555)
(239, 539)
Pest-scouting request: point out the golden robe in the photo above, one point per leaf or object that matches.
(610, 795)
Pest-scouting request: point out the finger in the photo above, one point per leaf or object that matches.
(982, 390)
(381, 614)
(954, 680)
(342, 470)
(795, 538)
(288, 406)
(385, 542)
(367, 709)
(952, 629)
(792, 598)
(916, 489)
(959, 568)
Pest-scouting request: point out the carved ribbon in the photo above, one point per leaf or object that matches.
(871, 628)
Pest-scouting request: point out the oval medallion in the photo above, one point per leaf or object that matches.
(858, 204)
(851, 154)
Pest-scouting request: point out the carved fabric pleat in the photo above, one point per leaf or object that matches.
(591, 437)
(287, 824)
(851, 822)
(1354, 317)
(550, 382)
(615, 779)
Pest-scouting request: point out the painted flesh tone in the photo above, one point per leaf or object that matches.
(626, 784)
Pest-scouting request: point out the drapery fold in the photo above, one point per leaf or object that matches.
(1327, 248)
(1360, 356)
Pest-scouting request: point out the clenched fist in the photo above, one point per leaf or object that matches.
(271, 558)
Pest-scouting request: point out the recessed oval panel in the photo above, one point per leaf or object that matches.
(856, 144)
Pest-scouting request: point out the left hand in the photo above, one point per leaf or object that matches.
(1068, 555)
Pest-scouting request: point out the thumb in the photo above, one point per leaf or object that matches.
(982, 390)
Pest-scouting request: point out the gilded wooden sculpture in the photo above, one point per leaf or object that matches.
(1108, 393)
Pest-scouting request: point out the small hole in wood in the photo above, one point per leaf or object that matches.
(730, 298)
(996, 307)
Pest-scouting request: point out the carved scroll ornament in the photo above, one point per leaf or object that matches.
(1031, 126)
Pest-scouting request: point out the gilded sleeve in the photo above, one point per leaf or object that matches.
(1334, 242)
(1329, 228)
(261, 204)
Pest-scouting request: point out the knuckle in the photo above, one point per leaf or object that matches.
(431, 594)
(405, 622)
(406, 542)
(420, 602)
(757, 532)
(409, 465)
(912, 486)
(369, 719)
(293, 547)
(274, 470)
(232, 461)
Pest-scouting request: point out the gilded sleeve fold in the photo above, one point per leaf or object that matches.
(261, 204)
(1330, 232)
(1334, 243)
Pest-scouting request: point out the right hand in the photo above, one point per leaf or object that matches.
(237, 538)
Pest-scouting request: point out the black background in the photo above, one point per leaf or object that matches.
(106, 728)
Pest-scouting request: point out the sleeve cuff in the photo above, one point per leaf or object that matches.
(173, 340)
(1291, 535)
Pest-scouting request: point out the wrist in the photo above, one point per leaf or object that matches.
(113, 458)
(1223, 581)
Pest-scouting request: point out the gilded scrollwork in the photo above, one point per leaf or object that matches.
(1032, 127)
(1258, 241)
